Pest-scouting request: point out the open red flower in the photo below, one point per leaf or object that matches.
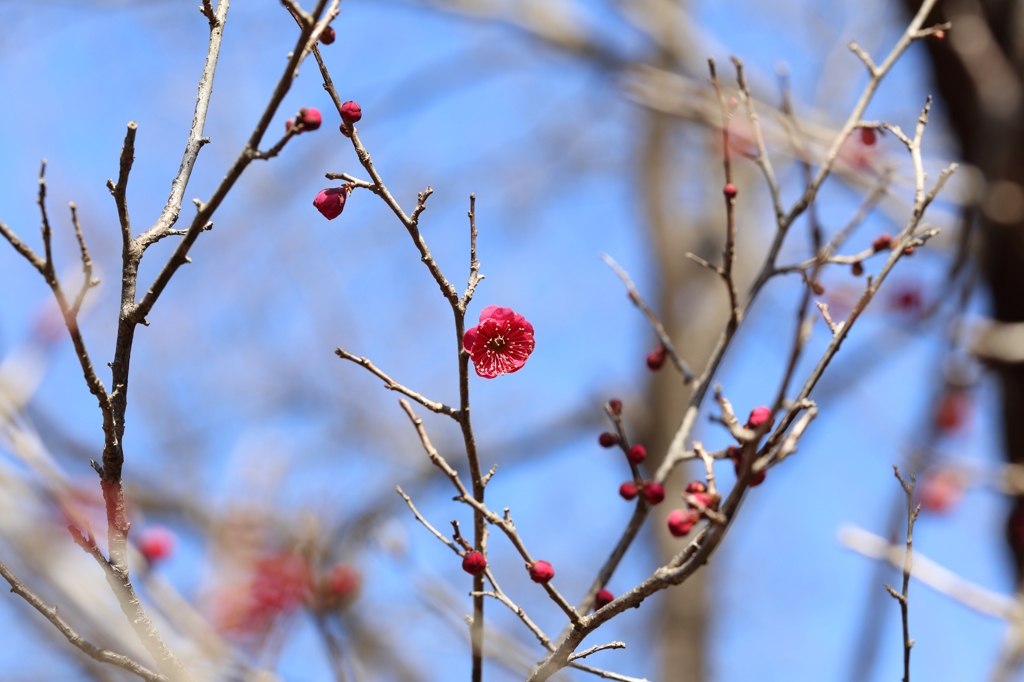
(501, 343)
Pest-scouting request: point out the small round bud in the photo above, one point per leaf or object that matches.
(656, 358)
(857, 269)
(156, 543)
(541, 572)
(288, 124)
(615, 406)
(331, 201)
(344, 580)
(729, 191)
(309, 118)
(953, 410)
(758, 479)
(868, 136)
(602, 599)
(343, 130)
(351, 112)
(474, 563)
(608, 439)
(327, 37)
(941, 490)
(940, 34)
(817, 288)
(628, 490)
(653, 492)
(637, 454)
(882, 242)
(909, 251)
(694, 487)
(758, 416)
(682, 521)
(706, 500)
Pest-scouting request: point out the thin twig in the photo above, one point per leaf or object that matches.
(659, 328)
(729, 256)
(392, 385)
(89, 649)
(596, 648)
(908, 566)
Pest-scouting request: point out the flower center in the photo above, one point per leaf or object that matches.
(496, 344)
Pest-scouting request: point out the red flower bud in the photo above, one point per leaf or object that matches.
(940, 34)
(327, 37)
(331, 201)
(729, 191)
(708, 500)
(867, 136)
(694, 487)
(653, 492)
(608, 439)
(656, 358)
(602, 599)
(627, 490)
(758, 416)
(541, 572)
(953, 410)
(857, 269)
(351, 112)
(758, 478)
(344, 580)
(681, 521)
(817, 288)
(288, 124)
(615, 406)
(940, 491)
(156, 543)
(882, 241)
(909, 251)
(637, 454)
(309, 118)
(474, 563)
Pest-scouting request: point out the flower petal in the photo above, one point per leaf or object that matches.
(469, 339)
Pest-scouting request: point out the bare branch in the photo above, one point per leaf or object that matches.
(659, 328)
(596, 648)
(426, 523)
(393, 385)
(89, 649)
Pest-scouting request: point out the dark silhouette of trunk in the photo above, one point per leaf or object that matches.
(978, 71)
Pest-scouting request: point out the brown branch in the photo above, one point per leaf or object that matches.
(908, 566)
(392, 385)
(504, 523)
(762, 159)
(659, 328)
(594, 649)
(87, 280)
(419, 517)
(119, 190)
(729, 256)
(89, 649)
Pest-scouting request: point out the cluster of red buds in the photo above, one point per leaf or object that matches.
(700, 502)
(652, 491)
(758, 417)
